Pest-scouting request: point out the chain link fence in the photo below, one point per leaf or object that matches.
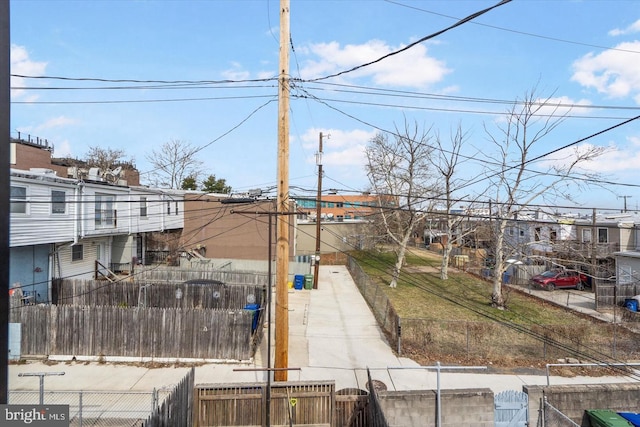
(552, 417)
(97, 408)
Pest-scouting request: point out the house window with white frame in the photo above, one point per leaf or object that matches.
(625, 274)
(19, 199)
(58, 202)
(168, 207)
(586, 235)
(104, 212)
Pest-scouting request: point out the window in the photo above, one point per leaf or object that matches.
(586, 235)
(77, 252)
(603, 235)
(625, 274)
(510, 231)
(58, 202)
(537, 233)
(553, 235)
(18, 199)
(176, 208)
(168, 208)
(143, 207)
(104, 213)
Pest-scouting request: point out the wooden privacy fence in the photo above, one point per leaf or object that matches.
(177, 409)
(210, 272)
(291, 403)
(157, 294)
(135, 332)
(245, 404)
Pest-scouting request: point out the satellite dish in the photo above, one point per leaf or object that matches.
(251, 298)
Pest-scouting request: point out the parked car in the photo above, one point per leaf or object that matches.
(560, 278)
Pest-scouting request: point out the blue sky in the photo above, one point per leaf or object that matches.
(583, 53)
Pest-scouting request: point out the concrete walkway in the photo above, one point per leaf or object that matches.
(332, 336)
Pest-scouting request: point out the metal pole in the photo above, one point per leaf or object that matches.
(439, 406)
(270, 280)
(318, 214)
(41, 375)
(437, 368)
(606, 365)
(5, 132)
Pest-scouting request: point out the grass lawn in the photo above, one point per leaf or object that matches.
(453, 319)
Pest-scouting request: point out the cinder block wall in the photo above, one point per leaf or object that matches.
(573, 400)
(460, 408)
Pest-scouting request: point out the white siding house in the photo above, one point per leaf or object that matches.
(73, 228)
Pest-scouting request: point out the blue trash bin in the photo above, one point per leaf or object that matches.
(631, 304)
(298, 281)
(256, 314)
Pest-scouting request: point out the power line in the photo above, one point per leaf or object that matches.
(411, 45)
(555, 39)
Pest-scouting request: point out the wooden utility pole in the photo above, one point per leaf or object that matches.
(625, 202)
(316, 266)
(281, 359)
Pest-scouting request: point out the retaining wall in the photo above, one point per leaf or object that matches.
(460, 408)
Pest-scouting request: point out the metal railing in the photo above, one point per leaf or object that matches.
(600, 365)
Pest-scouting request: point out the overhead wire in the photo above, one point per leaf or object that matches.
(509, 324)
(492, 315)
(417, 42)
(511, 30)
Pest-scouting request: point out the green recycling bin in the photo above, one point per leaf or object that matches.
(308, 281)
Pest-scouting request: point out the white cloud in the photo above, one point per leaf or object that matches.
(236, 72)
(633, 28)
(62, 149)
(613, 159)
(23, 65)
(613, 72)
(561, 105)
(411, 68)
(340, 148)
(55, 122)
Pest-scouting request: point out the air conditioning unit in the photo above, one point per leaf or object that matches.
(94, 174)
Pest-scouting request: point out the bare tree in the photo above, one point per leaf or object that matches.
(446, 161)
(399, 171)
(105, 159)
(175, 161)
(514, 183)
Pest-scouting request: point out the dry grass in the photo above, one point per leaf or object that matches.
(452, 320)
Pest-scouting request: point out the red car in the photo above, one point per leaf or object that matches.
(553, 279)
